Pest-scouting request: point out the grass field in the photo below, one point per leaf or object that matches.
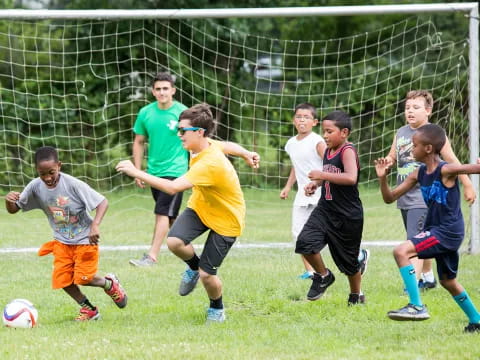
(268, 316)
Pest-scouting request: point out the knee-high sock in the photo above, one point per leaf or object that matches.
(410, 280)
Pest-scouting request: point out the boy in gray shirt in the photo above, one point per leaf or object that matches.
(67, 201)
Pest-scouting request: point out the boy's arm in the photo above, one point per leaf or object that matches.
(138, 152)
(168, 186)
(321, 147)
(382, 166)
(449, 156)
(348, 177)
(288, 186)
(94, 235)
(451, 171)
(251, 158)
(11, 202)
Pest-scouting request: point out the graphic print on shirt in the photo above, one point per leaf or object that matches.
(435, 193)
(65, 222)
(406, 161)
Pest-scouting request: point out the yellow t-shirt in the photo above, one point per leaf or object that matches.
(216, 196)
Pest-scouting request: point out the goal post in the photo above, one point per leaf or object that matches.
(250, 114)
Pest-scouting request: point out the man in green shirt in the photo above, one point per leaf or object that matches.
(156, 124)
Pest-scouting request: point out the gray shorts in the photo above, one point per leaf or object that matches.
(188, 227)
(413, 220)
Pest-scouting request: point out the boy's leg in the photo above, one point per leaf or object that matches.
(300, 215)
(185, 229)
(447, 269)
(166, 209)
(214, 252)
(87, 310)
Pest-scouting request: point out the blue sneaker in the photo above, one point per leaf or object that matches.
(189, 281)
(409, 312)
(215, 315)
(426, 285)
(306, 275)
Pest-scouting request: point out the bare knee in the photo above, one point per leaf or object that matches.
(174, 243)
(204, 276)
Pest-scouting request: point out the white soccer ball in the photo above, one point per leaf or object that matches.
(20, 313)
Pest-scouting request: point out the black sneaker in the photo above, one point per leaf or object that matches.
(355, 299)
(364, 261)
(319, 285)
(426, 285)
(471, 328)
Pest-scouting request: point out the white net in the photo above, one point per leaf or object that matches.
(78, 85)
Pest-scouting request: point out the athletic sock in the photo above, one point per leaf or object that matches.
(108, 284)
(466, 304)
(86, 304)
(193, 262)
(410, 281)
(428, 276)
(216, 303)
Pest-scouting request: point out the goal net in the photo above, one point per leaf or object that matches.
(78, 85)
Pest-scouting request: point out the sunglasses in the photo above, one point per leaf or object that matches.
(181, 131)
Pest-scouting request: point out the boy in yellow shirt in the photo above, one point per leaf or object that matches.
(216, 204)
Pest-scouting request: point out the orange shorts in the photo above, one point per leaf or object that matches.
(72, 264)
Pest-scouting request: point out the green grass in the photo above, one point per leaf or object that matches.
(268, 315)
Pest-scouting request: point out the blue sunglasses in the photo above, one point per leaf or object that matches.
(181, 131)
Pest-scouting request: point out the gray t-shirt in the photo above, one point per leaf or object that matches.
(67, 207)
(406, 164)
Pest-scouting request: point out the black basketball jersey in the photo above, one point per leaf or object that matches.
(340, 200)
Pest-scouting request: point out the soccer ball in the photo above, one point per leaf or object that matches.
(20, 313)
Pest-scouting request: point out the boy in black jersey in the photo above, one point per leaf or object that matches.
(337, 221)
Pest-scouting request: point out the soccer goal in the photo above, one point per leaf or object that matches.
(75, 79)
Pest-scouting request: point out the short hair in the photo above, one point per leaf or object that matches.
(307, 106)
(432, 134)
(45, 153)
(341, 119)
(163, 76)
(427, 97)
(201, 116)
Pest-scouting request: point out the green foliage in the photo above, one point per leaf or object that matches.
(79, 85)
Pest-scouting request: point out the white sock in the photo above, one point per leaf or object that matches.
(428, 276)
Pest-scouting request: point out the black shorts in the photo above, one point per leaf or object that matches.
(166, 204)
(188, 227)
(428, 246)
(343, 237)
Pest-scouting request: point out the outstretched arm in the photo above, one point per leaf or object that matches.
(449, 156)
(168, 186)
(251, 158)
(382, 166)
(11, 202)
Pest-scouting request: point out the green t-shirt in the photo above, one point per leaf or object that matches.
(166, 155)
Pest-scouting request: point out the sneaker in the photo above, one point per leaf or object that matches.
(409, 312)
(426, 285)
(86, 314)
(472, 328)
(320, 285)
(215, 315)
(364, 261)
(145, 261)
(189, 281)
(306, 275)
(116, 292)
(355, 299)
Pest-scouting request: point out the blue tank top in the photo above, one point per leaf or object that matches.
(444, 216)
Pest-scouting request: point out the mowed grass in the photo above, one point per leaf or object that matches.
(268, 316)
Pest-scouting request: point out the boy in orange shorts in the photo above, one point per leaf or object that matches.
(67, 201)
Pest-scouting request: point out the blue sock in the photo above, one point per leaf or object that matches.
(466, 304)
(410, 280)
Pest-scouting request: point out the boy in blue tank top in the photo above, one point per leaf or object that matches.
(443, 230)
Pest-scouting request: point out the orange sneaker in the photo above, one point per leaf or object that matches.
(86, 314)
(116, 292)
